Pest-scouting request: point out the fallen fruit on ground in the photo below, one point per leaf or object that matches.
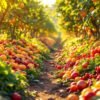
(81, 67)
(16, 96)
(72, 97)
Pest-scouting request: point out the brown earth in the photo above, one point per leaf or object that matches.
(48, 88)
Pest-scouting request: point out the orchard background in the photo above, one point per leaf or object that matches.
(50, 50)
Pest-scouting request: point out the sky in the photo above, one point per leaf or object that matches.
(48, 2)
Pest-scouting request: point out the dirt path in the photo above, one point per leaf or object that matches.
(48, 88)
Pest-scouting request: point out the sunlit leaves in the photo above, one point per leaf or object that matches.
(79, 14)
(25, 16)
(3, 5)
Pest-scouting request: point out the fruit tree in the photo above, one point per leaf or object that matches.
(80, 16)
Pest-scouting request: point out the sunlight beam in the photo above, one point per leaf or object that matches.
(48, 2)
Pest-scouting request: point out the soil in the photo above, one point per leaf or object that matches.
(48, 88)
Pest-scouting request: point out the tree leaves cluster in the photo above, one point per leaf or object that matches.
(24, 18)
(80, 16)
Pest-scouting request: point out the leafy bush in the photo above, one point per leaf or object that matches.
(11, 81)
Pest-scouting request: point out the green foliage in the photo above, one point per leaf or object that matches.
(40, 45)
(10, 81)
(3, 5)
(80, 16)
(32, 75)
(24, 17)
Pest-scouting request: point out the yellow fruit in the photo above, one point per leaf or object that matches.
(23, 73)
(3, 57)
(67, 74)
(24, 53)
(22, 67)
(21, 5)
(30, 52)
(72, 97)
(30, 65)
(98, 93)
(12, 60)
(85, 91)
(97, 85)
(77, 79)
(1, 47)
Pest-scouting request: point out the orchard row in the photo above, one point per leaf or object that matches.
(78, 67)
(21, 62)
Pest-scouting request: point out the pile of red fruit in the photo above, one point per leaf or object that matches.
(81, 71)
(20, 62)
(19, 54)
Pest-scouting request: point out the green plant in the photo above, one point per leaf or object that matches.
(11, 81)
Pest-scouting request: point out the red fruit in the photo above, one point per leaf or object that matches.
(98, 77)
(72, 63)
(18, 60)
(89, 95)
(67, 64)
(59, 67)
(73, 83)
(96, 90)
(16, 96)
(73, 88)
(81, 84)
(61, 74)
(36, 65)
(97, 69)
(84, 55)
(74, 75)
(94, 51)
(86, 75)
(95, 1)
(90, 82)
(79, 57)
(85, 65)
